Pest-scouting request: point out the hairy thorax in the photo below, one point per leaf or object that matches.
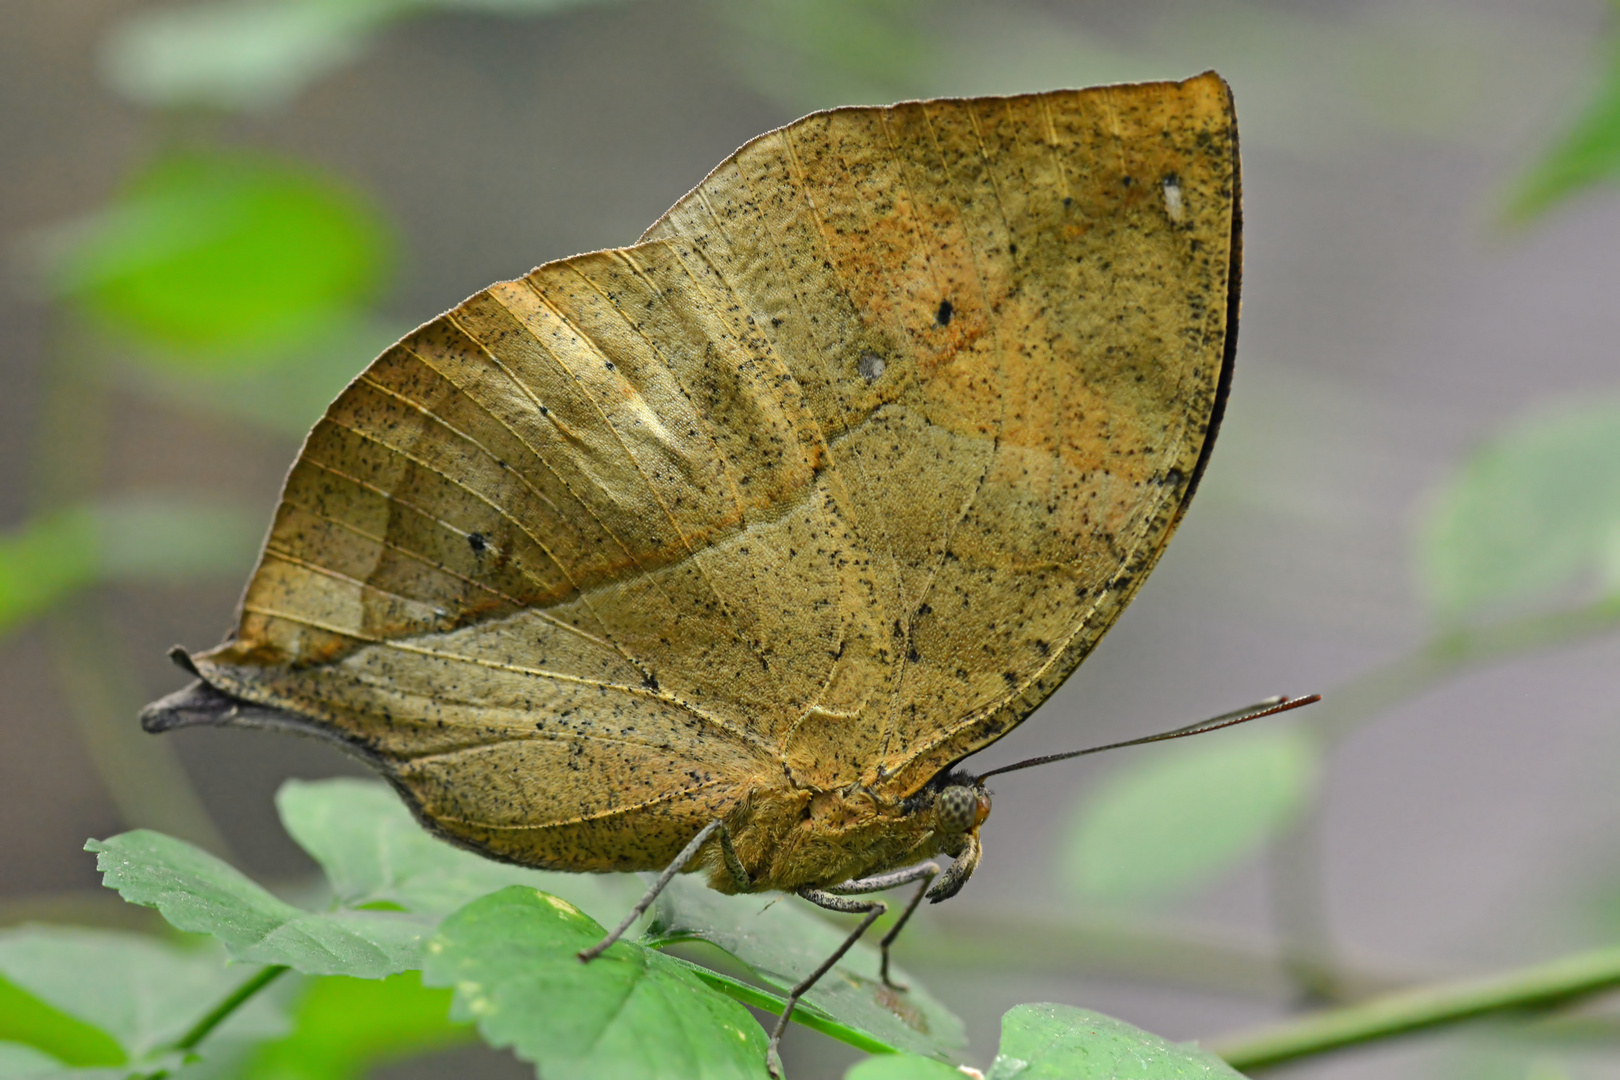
(791, 839)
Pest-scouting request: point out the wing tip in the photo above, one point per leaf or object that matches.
(199, 704)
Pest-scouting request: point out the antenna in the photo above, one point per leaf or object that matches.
(1271, 706)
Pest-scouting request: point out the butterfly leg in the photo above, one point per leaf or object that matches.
(924, 873)
(873, 909)
(733, 865)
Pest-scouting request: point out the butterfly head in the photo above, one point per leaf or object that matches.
(960, 808)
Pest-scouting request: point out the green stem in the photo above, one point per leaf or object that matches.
(1449, 655)
(1300, 914)
(1303, 925)
(238, 997)
(807, 1015)
(1558, 982)
(220, 1013)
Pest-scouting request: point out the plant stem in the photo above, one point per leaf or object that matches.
(1300, 914)
(219, 1013)
(237, 998)
(1540, 986)
(770, 1001)
(1297, 894)
(1449, 655)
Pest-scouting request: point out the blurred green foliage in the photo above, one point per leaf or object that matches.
(1587, 154)
(342, 1028)
(258, 54)
(101, 998)
(816, 53)
(1170, 820)
(1533, 512)
(280, 388)
(244, 285)
(136, 538)
(506, 961)
(208, 252)
(25, 1020)
(902, 1067)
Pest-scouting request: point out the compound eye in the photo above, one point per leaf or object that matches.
(956, 810)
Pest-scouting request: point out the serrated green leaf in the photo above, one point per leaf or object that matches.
(145, 537)
(902, 1067)
(1535, 510)
(631, 1013)
(373, 852)
(1173, 818)
(26, 1019)
(781, 942)
(1059, 1042)
(208, 254)
(345, 1027)
(195, 891)
(141, 992)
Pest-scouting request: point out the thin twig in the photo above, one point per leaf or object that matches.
(1404, 1012)
(238, 997)
(1450, 654)
(219, 1014)
(1297, 895)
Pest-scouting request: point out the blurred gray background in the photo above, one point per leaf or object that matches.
(1391, 322)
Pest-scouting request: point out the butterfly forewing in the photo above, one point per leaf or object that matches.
(829, 480)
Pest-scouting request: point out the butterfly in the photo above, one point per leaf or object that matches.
(723, 550)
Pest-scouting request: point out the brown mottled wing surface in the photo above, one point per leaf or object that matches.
(834, 476)
(1049, 286)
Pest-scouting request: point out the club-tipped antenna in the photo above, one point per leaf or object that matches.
(1271, 706)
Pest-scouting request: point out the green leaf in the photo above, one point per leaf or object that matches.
(343, 1028)
(209, 254)
(49, 557)
(259, 54)
(1534, 511)
(24, 1018)
(902, 1067)
(1175, 817)
(141, 992)
(283, 389)
(236, 55)
(199, 893)
(1059, 1042)
(813, 54)
(135, 538)
(781, 942)
(512, 959)
(1588, 153)
(374, 852)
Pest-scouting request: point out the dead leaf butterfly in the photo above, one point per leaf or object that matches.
(723, 550)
